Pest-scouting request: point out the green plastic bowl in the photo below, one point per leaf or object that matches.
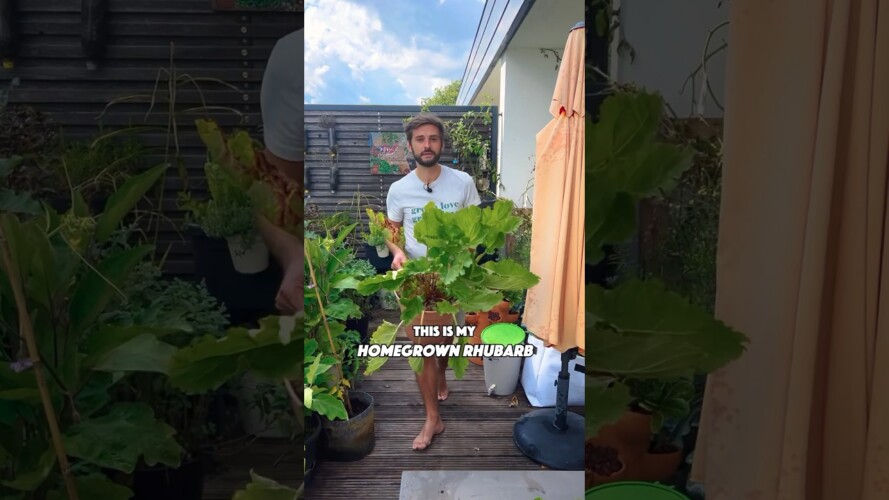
(503, 334)
(633, 490)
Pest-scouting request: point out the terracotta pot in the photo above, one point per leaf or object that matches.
(631, 436)
(430, 318)
(660, 466)
(632, 433)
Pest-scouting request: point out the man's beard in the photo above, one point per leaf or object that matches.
(427, 163)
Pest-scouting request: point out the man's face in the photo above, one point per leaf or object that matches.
(426, 145)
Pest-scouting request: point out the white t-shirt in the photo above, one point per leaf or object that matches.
(407, 197)
(282, 99)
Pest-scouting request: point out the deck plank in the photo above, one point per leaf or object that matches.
(478, 436)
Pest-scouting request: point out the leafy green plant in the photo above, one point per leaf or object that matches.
(95, 168)
(639, 329)
(663, 398)
(51, 290)
(322, 394)
(449, 278)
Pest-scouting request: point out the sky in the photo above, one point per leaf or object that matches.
(385, 51)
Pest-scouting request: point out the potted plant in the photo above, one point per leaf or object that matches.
(229, 214)
(449, 279)
(329, 122)
(346, 435)
(375, 248)
(641, 330)
(360, 269)
(190, 312)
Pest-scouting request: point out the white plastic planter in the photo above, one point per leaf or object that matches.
(382, 251)
(248, 260)
(255, 423)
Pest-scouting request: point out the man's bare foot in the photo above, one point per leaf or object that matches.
(430, 430)
(442, 388)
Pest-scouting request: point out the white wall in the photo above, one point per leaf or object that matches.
(669, 38)
(527, 81)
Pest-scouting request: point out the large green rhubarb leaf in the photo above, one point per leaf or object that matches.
(93, 486)
(118, 439)
(641, 330)
(272, 351)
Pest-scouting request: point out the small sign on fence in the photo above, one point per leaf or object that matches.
(389, 153)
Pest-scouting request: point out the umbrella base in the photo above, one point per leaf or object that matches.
(538, 438)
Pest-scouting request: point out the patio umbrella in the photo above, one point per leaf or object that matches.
(554, 307)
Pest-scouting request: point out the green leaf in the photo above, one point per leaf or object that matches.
(641, 330)
(93, 292)
(144, 353)
(459, 365)
(606, 401)
(7, 165)
(118, 439)
(94, 394)
(328, 406)
(98, 487)
(416, 363)
(19, 203)
(35, 474)
(508, 275)
(268, 352)
(110, 337)
(124, 199)
(261, 488)
(384, 335)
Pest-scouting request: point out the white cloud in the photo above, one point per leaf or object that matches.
(364, 100)
(314, 80)
(340, 31)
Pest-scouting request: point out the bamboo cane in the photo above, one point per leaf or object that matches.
(327, 327)
(27, 331)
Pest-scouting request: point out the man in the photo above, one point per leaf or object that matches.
(282, 118)
(451, 190)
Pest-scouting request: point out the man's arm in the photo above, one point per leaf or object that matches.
(287, 250)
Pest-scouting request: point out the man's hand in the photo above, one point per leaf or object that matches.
(398, 260)
(290, 295)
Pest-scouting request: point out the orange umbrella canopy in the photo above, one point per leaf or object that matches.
(554, 307)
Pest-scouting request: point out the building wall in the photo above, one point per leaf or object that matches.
(229, 46)
(668, 39)
(527, 83)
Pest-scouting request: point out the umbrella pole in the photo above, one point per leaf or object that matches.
(553, 437)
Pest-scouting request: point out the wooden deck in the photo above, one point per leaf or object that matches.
(477, 436)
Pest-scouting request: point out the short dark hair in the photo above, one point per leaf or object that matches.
(423, 119)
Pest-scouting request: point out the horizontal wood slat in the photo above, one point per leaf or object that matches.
(142, 34)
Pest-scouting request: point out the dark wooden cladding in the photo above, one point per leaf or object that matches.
(229, 46)
(354, 124)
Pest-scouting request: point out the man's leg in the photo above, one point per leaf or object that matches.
(442, 362)
(428, 382)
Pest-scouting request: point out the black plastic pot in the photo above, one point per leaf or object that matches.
(381, 264)
(353, 439)
(312, 441)
(247, 297)
(184, 483)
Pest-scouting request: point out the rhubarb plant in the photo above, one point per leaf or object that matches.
(449, 279)
(638, 330)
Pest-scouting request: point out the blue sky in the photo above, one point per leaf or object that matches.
(385, 51)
